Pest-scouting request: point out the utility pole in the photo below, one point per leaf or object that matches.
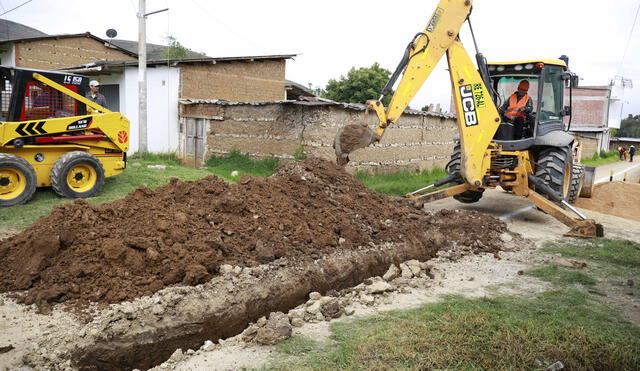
(142, 78)
(142, 74)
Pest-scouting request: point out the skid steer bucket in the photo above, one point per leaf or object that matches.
(352, 137)
(588, 181)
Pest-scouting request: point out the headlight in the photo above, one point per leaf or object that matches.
(518, 67)
(500, 68)
(529, 66)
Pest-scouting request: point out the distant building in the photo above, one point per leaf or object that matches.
(590, 117)
(115, 64)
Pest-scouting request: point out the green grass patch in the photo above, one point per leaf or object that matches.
(617, 252)
(562, 275)
(601, 158)
(400, 183)
(504, 333)
(224, 165)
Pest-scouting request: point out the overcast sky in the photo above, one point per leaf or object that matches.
(332, 36)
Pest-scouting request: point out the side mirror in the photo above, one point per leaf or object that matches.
(574, 80)
(566, 111)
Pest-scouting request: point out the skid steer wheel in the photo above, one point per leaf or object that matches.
(17, 180)
(577, 174)
(453, 166)
(554, 166)
(77, 174)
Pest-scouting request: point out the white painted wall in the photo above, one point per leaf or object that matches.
(162, 106)
(8, 57)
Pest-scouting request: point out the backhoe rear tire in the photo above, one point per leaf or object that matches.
(554, 166)
(577, 175)
(18, 180)
(466, 197)
(77, 174)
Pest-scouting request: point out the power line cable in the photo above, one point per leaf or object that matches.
(10, 10)
(626, 48)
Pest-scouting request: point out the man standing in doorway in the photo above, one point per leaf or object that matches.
(94, 95)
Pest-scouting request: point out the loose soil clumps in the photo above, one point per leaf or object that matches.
(180, 233)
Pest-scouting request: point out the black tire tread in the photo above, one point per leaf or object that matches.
(453, 166)
(58, 175)
(577, 174)
(551, 167)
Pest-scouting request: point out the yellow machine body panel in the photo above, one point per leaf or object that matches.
(478, 118)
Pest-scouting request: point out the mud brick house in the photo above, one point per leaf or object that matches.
(288, 129)
(114, 63)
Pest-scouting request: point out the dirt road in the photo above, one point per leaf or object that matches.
(619, 169)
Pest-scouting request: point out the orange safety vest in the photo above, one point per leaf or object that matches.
(515, 105)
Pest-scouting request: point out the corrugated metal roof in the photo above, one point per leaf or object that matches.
(319, 102)
(173, 62)
(587, 128)
(10, 30)
(623, 139)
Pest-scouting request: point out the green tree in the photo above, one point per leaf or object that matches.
(359, 86)
(425, 108)
(630, 127)
(175, 50)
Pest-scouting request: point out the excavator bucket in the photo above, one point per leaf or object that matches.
(588, 181)
(352, 137)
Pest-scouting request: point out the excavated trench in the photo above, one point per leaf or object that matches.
(225, 314)
(308, 223)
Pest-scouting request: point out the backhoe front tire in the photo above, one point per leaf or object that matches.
(554, 166)
(17, 180)
(577, 175)
(77, 174)
(466, 197)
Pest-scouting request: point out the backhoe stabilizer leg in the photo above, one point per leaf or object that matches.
(441, 194)
(579, 227)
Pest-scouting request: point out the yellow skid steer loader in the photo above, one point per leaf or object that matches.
(51, 135)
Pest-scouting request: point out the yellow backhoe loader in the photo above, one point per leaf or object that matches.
(524, 151)
(51, 135)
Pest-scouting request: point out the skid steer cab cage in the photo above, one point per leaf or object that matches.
(44, 119)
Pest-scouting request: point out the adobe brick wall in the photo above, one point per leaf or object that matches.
(418, 142)
(589, 146)
(50, 54)
(234, 81)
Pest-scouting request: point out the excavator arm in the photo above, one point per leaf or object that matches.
(478, 117)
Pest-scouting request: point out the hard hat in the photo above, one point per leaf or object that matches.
(94, 83)
(523, 85)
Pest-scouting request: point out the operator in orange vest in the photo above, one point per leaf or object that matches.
(518, 109)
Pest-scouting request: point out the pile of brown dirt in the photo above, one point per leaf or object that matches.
(615, 198)
(180, 233)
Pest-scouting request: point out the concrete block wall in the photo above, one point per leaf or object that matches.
(234, 81)
(419, 142)
(51, 54)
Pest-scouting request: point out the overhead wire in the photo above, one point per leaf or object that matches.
(12, 9)
(626, 48)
